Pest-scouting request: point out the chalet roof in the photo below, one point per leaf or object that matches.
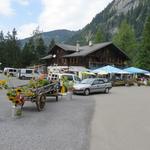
(66, 47)
(85, 50)
(47, 57)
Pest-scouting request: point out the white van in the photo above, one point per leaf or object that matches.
(27, 74)
(10, 71)
(70, 77)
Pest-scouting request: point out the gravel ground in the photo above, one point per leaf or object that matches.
(121, 120)
(63, 125)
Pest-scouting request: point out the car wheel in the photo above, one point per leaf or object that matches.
(23, 77)
(11, 74)
(87, 92)
(107, 90)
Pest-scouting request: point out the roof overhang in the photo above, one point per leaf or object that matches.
(47, 57)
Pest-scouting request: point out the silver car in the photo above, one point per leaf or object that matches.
(92, 85)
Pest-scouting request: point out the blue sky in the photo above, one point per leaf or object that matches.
(23, 13)
(26, 15)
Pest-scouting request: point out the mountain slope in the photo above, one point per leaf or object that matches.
(59, 35)
(134, 11)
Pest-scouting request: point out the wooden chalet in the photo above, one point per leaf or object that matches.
(90, 56)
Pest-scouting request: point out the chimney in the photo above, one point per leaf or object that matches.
(90, 43)
(77, 46)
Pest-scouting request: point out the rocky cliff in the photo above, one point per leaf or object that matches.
(134, 11)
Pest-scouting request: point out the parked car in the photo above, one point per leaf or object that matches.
(92, 85)
(27, 74)
(10, 71)
(68, 76)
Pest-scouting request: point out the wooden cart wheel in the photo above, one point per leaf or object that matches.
(40, 102)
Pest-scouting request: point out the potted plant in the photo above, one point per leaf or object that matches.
(3, 84)
(14, 95)
(69, 86)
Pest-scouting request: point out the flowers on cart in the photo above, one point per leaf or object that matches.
(14, 95)
(19, 94)
(38, 83)
(3, 84)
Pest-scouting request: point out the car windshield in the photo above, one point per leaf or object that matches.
(68, 77)
(87, 81)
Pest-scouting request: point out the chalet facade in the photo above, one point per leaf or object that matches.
(90, 56)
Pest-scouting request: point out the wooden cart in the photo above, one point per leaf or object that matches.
(40, 94)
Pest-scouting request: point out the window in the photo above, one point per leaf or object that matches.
(101, 81)
(95, 82)
(54, 77)
(35, 71)
(69, 77)
(10, 70)
(73, 60)
(28, 71)
(109, 59)
(76, 60)
(77, 78)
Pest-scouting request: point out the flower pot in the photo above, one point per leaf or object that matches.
(69, 95)
(16, 111)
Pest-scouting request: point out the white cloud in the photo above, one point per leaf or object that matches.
(5, 29)
(26, 30)
(5, 8)
(60, 14)
(69, 14)
(23, 2)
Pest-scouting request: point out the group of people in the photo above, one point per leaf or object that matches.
(143, 80)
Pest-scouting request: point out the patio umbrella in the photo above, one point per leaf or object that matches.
(111, 70)
(148, 74)
(134, 70)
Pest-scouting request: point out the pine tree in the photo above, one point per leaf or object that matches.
(1, 36)
(40, 47)
(27, 54)
(2, 49)
(144, 53)
(12, 50)
(51, 45)
(125, 40)
(99, 36)
(32, 51)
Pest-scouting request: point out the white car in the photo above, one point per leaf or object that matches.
(27, 74)
(10, 71)
(68, 76)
